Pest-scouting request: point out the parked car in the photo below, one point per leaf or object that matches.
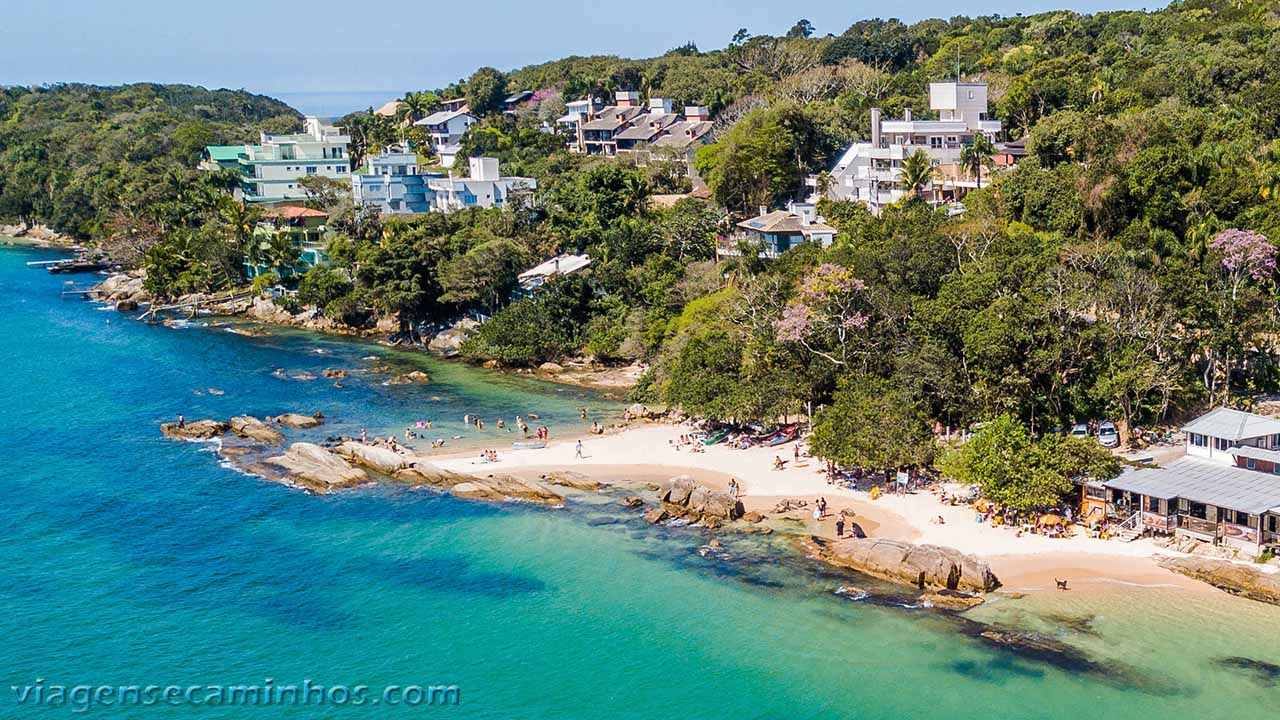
(1107, 434)
(1080, 430)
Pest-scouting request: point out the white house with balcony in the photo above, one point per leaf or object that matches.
(447, 128)
(484, 188)
(870, 172)
(270, 170)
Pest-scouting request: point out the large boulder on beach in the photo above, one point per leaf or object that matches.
(297, 420)
(378, 459)
(1235, 578)
(195, 430)
(506, 488)
(247, 426)
(315, 468)
(928, 567)
(676, 490)
(684, 497)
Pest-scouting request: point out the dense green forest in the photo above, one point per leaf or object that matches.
(1122, 270)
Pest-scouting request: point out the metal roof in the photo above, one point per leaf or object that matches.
(1248, 451)
(441, 117)
(1204, 481)
(1233, 425)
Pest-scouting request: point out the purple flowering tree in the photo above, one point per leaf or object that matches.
(827, 314)
(1246, 258)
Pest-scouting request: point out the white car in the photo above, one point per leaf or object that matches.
(1107, 434)
(1080, 430)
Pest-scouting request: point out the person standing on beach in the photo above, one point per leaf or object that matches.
(577, 453)
(840, 525)
(364, 437)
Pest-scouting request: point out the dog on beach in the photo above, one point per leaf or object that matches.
(1062, 584)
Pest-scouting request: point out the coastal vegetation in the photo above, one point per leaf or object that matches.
(1125, 268)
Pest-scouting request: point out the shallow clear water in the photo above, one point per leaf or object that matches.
(129, 559)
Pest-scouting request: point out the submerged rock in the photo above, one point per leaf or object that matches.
(315, 468)
(950, 600)
(631, 501)
(195, 430)
(251, 427)
(1234, 578)
(924, 566)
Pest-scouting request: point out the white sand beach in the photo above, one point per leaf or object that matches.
(653, 448)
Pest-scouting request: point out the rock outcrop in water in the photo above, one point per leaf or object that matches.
(250, 427)
(195, 430)
(1235, 578)
(315, 468)
(374, 457)
(928, 567)
(298, 420)
(681, 497)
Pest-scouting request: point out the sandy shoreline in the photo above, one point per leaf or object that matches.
(1029, 563)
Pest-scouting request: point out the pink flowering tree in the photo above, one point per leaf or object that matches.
(1247, 258)
(827, 314)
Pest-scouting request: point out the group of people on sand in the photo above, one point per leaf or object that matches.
(690, 441)
(489, 456)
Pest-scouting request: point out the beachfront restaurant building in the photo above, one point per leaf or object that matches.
(1225, 490)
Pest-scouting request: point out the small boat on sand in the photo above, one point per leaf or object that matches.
(528, 445)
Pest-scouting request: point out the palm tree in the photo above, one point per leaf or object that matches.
(414, 106)
(917, 172)
(974, 156)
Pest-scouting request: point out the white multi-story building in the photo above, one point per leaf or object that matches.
(393, 183)
(870, 172)
(447, 128)
(270, 170)
(485, 188)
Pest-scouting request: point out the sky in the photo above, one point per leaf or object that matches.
(388, 47)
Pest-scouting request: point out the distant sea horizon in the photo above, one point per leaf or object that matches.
(334, 103)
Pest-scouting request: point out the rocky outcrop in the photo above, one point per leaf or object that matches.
(928, 567)
(551, 368)
(297, 420)
(656, 515)
(333, 373)
(636, 410)
(571, 480)
(409, 378)
(195, 430)
(315, 468)
(449, 341)
(247, 426)
(124, 290)
(378, 459)
(631, 501)
(505, 487)
(1235, 578)
(682, 497)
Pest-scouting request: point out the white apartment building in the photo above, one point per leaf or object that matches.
(485, 188)
(270, 170)
(870, 172)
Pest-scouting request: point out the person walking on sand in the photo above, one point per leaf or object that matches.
(577, 452)
(797, 452)
(840, 525)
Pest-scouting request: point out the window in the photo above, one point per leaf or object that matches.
(1221, 443)
(935, 142)
(1095, 493)
(311, 169)
(970, 94)
(1199, 440)
(1249, 463)
(1198, 510)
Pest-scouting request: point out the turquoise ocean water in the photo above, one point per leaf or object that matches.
(132, 560)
